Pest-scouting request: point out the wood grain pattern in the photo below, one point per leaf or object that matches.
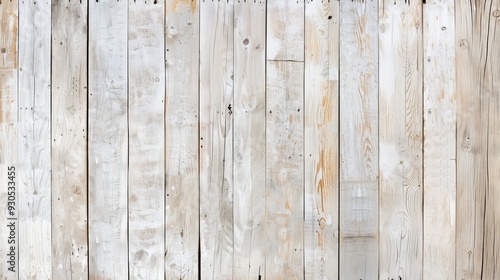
(146, 94)
(439, 116)
(108, 140)
(321, 139)
(8, 131)
(477, 50)
(69, 140)
(34, 171)
(249, 139)
(216, 139)
(358, 140)
(400, 140)
(181, 143)
(285, 30)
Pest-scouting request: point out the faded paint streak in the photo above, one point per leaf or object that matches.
(192, 3)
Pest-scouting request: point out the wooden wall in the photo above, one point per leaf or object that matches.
(250, 139)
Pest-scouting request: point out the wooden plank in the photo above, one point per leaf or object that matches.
(146, 89)
(477, 50)
(439, 142)
(182, 214)
(285, 30)
(400, 139)
(216, 139)
(108, 140)
(9, 241)
(321, 173)
(34, 172)
(358, 140)
(69, 140)
(249, 139)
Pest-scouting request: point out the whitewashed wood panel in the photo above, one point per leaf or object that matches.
(478, 88)
(146, 94)
(181, 143)
(285, 30)
(34, 125)
(321, 141)
(358, 140)
(400, 139)
(216, 139)
(9, 192)
(439, 114)
(108, 140)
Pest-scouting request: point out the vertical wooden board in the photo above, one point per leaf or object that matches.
(285, 30)
(69, 140)
(108, 140)
(146, 89)
(400, 139)
(34, 171)
(284, 170)
(181, 143)
(321, 86)
(216, 139)
(9, 241)
(249, 139)
(358, 140)
(477, 51)
(440, 142)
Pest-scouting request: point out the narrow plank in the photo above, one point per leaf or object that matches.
(321, 139)
(182, 214)
(146, 90)
(285, 30)
(34, 173)
(400, 140)
(108, 140)
(216, 139)
(358, 140)
(249, 139)
(440, 141)
(9, 241)
(478, 88)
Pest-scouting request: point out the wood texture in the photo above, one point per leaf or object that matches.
(359, 192)
(146, 94)
(108, 140)
(478, 117)
(249, 139)
(439, 114)
(216, 139)
(400, 140)
(181, 143)
(285, 30)
(321, 141)
(34, 172)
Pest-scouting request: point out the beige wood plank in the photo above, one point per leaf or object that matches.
(477, 50)
(108, 140)
(69, 140)
(440, 142)
(321, 170)
(34, 172)
(400, 139)
(9, 241)
(146, 94)
(216, 139)
(285, 30)
(181, 143)
(358, 140)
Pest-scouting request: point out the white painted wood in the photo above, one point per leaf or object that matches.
(216, 139)
(358, 140)
(69, 140)
(146, 94)
(181, 143)
(285, 30)
(400, 140)
(108, 140)
(321, 139)
(8, 132)
(439, 116)
(34, 172)
(249, 139)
